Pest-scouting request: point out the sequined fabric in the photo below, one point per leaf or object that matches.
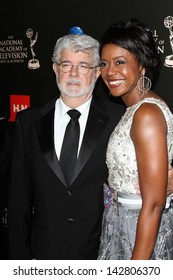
(118, 230)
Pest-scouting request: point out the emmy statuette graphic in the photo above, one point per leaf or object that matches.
(32, 63)
(168, 22)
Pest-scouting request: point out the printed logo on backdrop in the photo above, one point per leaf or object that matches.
(12, 50)
(159, 42)
(168, 22)
(16, 50)
(18, 103)
(32, 63)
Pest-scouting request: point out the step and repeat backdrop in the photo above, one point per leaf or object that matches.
(28, 33)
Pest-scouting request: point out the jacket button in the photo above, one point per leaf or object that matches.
(70, 220)
(69, 193)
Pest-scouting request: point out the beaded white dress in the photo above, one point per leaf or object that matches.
(119, 221)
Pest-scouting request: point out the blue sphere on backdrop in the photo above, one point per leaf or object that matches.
(75, 30)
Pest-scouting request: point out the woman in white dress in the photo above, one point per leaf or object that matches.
(137, 227)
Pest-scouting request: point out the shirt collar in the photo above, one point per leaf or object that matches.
(61, 108)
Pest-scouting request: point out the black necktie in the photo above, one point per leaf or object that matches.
(68, 156)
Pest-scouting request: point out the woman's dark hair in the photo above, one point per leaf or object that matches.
(137, 39)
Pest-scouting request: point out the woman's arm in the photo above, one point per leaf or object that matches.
(148, 134)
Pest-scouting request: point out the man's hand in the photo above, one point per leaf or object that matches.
(137, 189)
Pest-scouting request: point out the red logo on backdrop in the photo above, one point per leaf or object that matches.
(18, 103)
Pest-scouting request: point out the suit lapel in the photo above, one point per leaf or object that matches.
(45, 129)
(96, 123)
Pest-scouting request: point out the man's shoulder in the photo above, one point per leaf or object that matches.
(37, 111)
(109, 107)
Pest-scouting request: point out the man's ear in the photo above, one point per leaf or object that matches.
(98, 72)
(54, 67)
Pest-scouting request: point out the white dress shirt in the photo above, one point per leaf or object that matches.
(61, 120)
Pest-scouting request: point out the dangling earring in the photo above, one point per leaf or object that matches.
(144, 84)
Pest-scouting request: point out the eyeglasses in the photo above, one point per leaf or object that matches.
(82, 69)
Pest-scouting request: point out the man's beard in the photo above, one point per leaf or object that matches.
(74, 91)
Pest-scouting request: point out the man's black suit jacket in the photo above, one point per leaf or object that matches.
(5, 159)
(66, 222)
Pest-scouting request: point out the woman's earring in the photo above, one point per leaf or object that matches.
(144, 84)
